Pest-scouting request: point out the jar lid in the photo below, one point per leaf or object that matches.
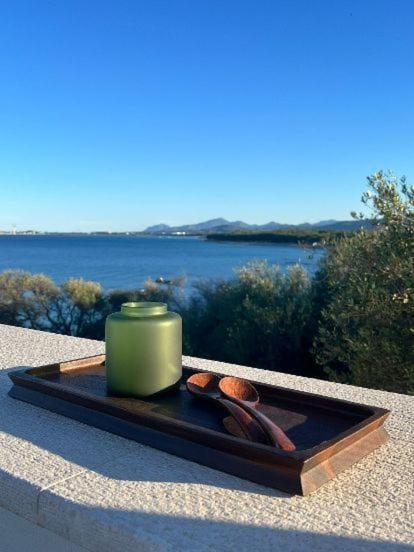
(143, 308)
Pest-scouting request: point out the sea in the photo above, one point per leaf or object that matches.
(125, 262)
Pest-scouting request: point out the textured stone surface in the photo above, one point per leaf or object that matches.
(37, 447)
(106, 493)
(19, 535)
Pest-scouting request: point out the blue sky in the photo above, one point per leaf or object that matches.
(119, 114)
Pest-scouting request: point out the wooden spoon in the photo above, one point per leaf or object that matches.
(206, 386)
(244, 394)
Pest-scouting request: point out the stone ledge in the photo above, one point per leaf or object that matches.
(106, 493)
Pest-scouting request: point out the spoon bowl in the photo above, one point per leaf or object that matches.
(240, 389)
(205, 385)
(245, 395)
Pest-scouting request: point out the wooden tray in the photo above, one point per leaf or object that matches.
(330, 435)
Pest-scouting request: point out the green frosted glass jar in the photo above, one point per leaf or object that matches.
(143, 349)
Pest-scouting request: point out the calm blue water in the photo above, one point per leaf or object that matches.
(127, 261)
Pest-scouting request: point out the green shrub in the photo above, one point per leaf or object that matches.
(260, 318)
(77, 307)
(34, 301)
(366, 333)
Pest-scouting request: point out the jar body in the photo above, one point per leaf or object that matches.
(143, 351)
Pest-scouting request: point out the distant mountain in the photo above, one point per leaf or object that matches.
(157, 228)
(274, 226)
(326, 223)
(207, 225)
(223, 225)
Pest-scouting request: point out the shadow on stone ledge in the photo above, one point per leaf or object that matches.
(130, 531)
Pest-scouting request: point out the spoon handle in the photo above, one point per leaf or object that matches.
(274, 432)
(247, 424)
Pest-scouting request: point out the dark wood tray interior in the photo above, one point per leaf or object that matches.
(307, 423)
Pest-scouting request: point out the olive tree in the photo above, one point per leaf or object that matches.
(366, 332)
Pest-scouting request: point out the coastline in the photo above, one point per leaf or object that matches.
(310, 239)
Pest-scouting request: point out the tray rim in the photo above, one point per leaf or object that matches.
(304, 458)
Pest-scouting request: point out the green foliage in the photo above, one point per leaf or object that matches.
(366, 334)
(82, 294)
(75, 308)
(258, 318)
(34, 301)
(25, 298)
